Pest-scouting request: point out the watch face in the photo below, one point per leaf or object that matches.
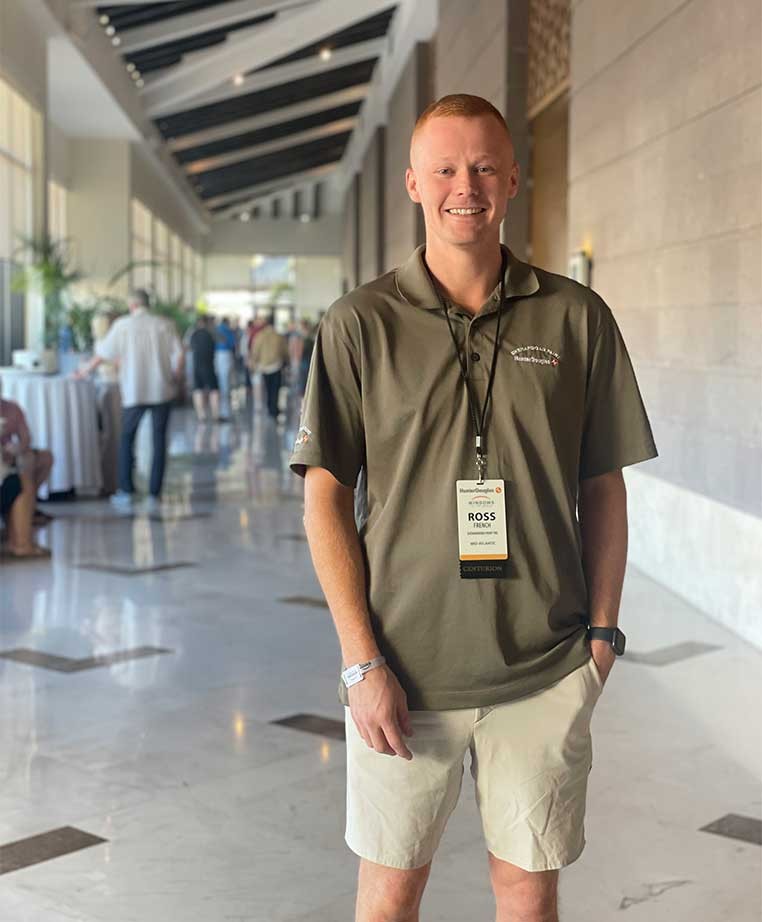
(619, 641)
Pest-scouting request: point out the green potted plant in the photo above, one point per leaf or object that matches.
(48, 271)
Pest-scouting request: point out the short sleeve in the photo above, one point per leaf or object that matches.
(617, 432)
(331, 433)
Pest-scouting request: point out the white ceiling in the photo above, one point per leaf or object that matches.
(78, 102)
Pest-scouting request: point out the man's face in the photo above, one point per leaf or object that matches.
(462, 163)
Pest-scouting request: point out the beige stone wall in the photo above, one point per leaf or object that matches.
(403, 230)
(665, 166)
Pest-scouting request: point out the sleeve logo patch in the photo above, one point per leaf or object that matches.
(302, 437)
(536, 355)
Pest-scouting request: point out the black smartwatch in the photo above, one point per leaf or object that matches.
(614, 636)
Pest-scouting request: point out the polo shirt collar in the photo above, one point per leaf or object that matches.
(415, 286)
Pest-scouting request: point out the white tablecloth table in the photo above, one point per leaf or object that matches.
(62, 416)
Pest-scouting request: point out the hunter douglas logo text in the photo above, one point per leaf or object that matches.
(536, 355)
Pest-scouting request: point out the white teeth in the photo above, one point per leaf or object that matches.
(465, 210)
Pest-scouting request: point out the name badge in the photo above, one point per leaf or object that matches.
(482, 529)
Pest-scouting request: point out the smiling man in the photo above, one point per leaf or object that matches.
(492, 406)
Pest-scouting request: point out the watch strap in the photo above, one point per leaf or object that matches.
(611, 634)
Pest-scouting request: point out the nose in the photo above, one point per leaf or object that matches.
(467, 184)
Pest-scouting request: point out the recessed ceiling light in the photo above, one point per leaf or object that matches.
(140, 83)
(130, 67)
(135, 75)
(245, 216)
(305, 218)
(238, 79)
(110, 31)
(104, 20)
(116, 40)
(325, 54)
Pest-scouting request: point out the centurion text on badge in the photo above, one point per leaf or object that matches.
(482, 529)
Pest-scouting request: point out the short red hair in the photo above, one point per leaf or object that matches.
(463, 105)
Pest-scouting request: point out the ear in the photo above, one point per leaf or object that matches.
(513, 182)
(411, 184)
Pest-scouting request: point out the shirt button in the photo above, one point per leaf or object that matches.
(475, 357)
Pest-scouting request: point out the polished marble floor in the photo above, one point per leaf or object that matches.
(189, 765)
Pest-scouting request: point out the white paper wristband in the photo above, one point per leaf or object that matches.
(356, 673)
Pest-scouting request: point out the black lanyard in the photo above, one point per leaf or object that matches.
(478, 420)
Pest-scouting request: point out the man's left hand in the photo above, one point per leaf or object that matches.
(604, 657)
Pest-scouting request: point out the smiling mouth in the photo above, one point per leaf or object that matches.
(465, 211)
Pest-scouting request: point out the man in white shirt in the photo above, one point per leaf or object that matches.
(150, 359)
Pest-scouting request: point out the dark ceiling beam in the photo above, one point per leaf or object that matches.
(269, 147)
(241, 198)
(287, 33)
(276, 76)
(268, 119)
(174, 28)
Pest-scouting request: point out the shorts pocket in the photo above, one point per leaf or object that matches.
(596, 673)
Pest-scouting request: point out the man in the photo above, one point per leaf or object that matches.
(269, 353)
(224, 365)
(149, 356)
(206, 395)
(485, 401)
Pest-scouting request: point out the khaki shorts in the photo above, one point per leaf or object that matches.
(530, 759)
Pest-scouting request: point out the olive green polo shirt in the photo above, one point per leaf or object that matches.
(385, 394)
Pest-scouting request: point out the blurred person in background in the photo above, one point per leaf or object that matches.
(224, 362)
(269, 353)
(308, 344)
(18, 483)
(32, 464)
(150, 358)
(206, 394)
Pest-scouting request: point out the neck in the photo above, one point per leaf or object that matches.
(465, 276)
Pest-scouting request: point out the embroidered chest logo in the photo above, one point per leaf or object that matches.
(536, 355)
(302, 437)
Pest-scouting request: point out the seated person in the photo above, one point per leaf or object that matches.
(16, 510)
(33, 465)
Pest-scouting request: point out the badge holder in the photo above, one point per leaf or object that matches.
(482, 525)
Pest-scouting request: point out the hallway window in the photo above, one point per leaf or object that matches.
(176, 267)
(16, 169)
(17, 166)
(161, 255)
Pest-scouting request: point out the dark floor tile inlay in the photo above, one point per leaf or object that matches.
(67, 664)
(312, 723)
(308, 600)
(745, 828)
(674, 654)
(47, 845)
(134, 571)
